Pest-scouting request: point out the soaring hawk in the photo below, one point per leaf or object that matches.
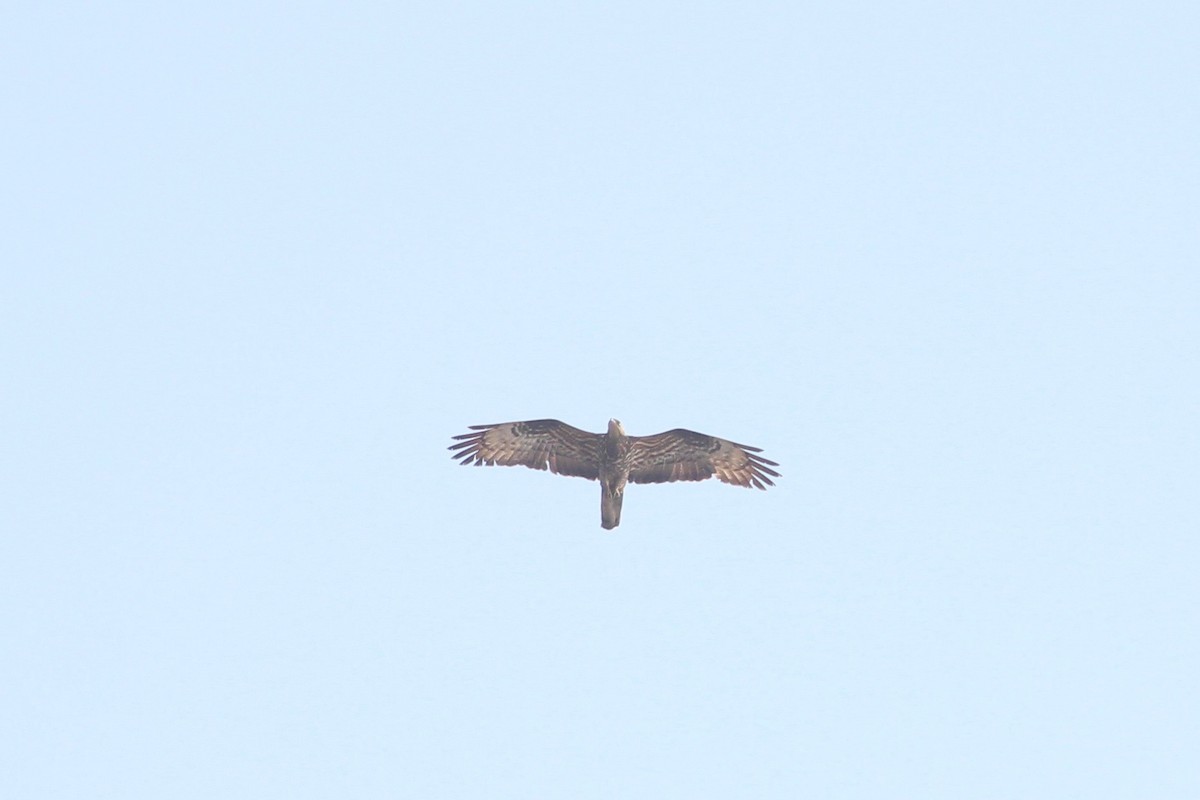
(614, 458)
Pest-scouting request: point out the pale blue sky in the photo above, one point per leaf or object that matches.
(940, 260)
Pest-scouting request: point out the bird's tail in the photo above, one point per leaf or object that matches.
(610, 509)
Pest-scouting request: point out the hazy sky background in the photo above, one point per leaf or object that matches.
(940, 260)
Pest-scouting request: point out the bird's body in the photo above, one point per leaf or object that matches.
(614, 474)
(614, 458)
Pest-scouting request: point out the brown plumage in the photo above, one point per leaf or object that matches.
(614, 458)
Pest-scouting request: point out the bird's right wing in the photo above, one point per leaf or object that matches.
(538, 444)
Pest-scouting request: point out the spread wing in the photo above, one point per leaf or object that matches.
(682, 455)
(537, 443)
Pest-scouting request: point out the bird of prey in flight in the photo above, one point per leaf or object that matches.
(613, 458)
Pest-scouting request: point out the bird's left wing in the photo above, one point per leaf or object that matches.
(537, 444)
(683, 455)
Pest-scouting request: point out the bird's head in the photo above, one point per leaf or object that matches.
(615, 428)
